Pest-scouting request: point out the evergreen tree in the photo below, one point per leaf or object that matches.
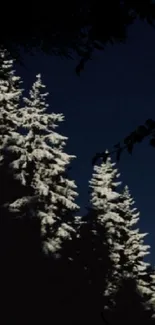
(10, 94)
(10, 146)
(42, 166)
(44, 209)
(134, 287)
(134, 251)
(10, 187)
(101, 234)
(114, 250)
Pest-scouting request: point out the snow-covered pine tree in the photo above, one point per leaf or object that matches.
(43, 165)
(120, 247)
(10, 94)
(133, 271)
(104, 226)
(11, 143)
(10, 188)
(134, 249)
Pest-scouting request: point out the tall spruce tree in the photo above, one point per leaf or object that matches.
(114, 254)
(11, 143)
(10, 94)
(45, 209)
(43, 164)
(134, 287)
(102, 226)
(134, 249)
(10, 148)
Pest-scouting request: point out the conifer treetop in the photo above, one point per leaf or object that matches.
(103, 184)
(41, 140)
(134, 248)
(10, 93)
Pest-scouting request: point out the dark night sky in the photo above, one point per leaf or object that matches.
(114, 94)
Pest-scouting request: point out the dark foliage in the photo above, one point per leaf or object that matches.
(137, 136)
(129, 308)
(38, 289)
(63, 27)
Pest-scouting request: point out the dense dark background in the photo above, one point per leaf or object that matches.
(114, 94)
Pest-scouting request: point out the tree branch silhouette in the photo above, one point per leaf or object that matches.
(137, 136)
(64, 28)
